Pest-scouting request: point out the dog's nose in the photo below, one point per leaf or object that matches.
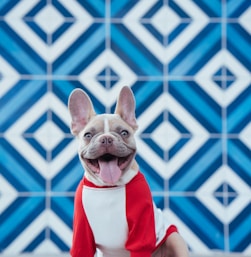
(106, 140)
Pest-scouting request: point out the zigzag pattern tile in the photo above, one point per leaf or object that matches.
(188, 63)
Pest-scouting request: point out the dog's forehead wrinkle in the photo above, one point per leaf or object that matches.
(91, 129)
(94, 124)
(107, 122)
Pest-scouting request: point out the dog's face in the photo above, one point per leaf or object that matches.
(106, 142)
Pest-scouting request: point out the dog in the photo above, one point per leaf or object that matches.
(113, 208)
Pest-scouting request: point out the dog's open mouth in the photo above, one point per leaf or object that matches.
(109, 167)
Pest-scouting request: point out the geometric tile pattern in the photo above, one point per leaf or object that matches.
(188, 63)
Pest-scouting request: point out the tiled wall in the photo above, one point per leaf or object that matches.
(188, 63)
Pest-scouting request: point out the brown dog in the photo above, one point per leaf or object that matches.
(114, 211)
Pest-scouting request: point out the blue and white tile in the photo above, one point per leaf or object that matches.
(48, 14)
(239, 231)
(166, 102)
(213, 236)
(239, 112)
(8, 77)
(109, 66)
(8, 194)
(224, 194)
(223, 67)
(237, 9)
(16, 219)
(134, 21)
(46, 233)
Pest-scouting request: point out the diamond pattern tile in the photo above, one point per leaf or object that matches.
(188, 64)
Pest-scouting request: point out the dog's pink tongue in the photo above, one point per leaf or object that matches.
(109, 171)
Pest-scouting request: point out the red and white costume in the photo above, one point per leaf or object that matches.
(121, 221)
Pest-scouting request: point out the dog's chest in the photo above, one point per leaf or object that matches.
(105, 209)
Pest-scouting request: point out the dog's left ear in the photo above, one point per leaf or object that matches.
(126, 107)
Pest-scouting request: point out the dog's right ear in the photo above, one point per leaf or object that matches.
(81, 110)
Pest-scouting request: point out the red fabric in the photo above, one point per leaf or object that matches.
(169, 231)
(140, 217)
(141, 240)
(83, 239)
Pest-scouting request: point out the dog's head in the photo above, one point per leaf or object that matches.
(106, 142)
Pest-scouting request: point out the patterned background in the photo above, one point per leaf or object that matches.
(188, 63)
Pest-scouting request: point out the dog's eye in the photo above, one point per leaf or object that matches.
(88, 135)
(124, 133)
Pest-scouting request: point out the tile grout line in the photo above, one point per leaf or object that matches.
(166, 114)
(224, 120)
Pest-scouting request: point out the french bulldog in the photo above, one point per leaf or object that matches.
(113, 209)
